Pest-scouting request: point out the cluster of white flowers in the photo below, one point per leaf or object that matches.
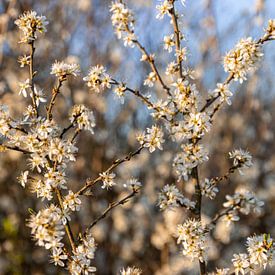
(152, 139)
(169, 42)
(164, 9)
(150, 80)
(244, 202)
(132, 183)
(242, 59)
(131, 271)
(123, 22)
(186, 119)
(260, 254)
(84, 253)
(209, 189)
(29, 22)
(120, 91)
(62, 69)
(222, 91)
(97, 79)
(83, 118)
(5, 121)
(241, 159)
(270, 30)
(47, 227)
(190, 157)
(72, 201)
(193, 238)
(171, 197)
(107, 179)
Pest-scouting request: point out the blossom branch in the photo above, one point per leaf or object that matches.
(32, 73)
(142, 97)
(90, 182)
(151, 61)
(55, 92)
(177, 36)
(230, 77)
(112, 206)
(14, 148)
(67, 225)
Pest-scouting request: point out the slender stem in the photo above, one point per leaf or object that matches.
(143, 98)
(90, 182)
(198, 200)
(77, 131)
(67, 225)
(177, 36)
(32, 74)
(151, 61)
(14, 148)
(55, 92)
(111, 207)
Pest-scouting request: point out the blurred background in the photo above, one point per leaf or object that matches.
(138, 233)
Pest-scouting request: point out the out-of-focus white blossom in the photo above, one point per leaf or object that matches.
(62, 69)
(130, 271)
(107, 179)
(132, 183)
(164, 9)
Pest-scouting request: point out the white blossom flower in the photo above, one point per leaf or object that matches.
(242, 59)
(209, 189)
(107, 179)
(170, 197)
(23, 178)
(84, 253)
(83, 118)
(241, 159)
(72, 201)
(150, 80)
(62, 69)
(241, 263)
(192, 236)
(98, 79)
(122, 19)
(29, 22)
(223, 91)
(58, 257)
(130, 271)
(152, 139)
(163, 9)
(132, 183)
(23, 87)
(169, 42)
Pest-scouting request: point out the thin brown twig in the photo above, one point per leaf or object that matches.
(67, 225)
(143, 98)
(32, 74)
(151, 61)
(177, 36)
(55, 92)
(90, 182)
(111, 207)
(14, 148)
